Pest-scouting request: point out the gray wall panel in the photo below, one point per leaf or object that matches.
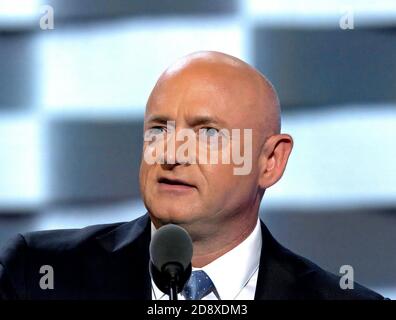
(325, 66)
(92, 160)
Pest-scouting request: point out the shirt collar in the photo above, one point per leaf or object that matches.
(232, 271)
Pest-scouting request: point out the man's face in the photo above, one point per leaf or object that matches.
(197, 194)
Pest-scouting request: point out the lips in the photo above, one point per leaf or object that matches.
(175, 182)
(179, 185)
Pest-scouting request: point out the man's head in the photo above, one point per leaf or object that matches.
(206, 92)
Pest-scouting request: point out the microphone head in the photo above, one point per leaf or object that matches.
(171, 244)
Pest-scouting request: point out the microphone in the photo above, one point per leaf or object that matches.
(171, 252)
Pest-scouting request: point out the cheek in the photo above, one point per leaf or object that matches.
(220, 177)
(223, 183)
(144, 177)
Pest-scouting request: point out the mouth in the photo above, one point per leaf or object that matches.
(175, 184)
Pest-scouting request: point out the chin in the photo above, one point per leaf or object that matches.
(177, 214)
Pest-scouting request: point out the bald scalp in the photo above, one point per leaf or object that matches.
(259, 95)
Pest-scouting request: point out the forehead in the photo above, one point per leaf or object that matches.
(226, 99)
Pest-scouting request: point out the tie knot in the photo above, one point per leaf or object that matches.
(198, 286)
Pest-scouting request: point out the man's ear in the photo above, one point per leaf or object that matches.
(273, 159)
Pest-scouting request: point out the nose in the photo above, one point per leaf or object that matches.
(178, 150)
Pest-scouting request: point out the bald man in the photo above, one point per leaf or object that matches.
(206, 110)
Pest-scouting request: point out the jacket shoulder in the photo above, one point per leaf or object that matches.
(66, 250)
(66, 239)
(285, 275)
(313, 282)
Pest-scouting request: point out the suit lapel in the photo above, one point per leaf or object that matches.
(278, 275)
(126, 273)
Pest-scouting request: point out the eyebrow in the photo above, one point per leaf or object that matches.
(202, 120)
(195, 121)
(158, 119)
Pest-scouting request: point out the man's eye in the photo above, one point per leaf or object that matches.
(210, 132)
(156, 130)
(154, 133)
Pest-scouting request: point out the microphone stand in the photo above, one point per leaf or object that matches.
(171, 278)
(173, 270)
(173, 290)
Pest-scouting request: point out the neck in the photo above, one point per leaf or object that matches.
(224, 240)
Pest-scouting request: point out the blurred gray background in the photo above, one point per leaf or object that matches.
(72, 101)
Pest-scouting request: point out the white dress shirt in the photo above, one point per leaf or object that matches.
(234, 274)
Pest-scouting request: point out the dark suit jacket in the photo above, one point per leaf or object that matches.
(111, 262)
